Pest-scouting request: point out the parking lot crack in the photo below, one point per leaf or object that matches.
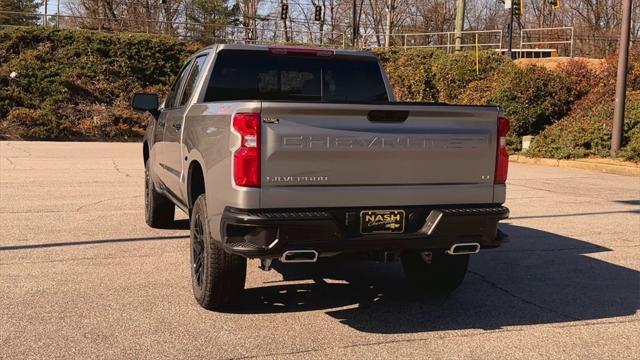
(577, 196)
(375, 343)
(13, 165)
(117, 168)
(20, 149)
(522, 299)
(104, 200)
(431, 338)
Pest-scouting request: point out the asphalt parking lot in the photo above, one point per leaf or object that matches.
(81, 275)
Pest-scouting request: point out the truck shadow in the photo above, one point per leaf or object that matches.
(538, 278)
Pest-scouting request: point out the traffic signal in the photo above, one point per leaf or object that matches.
(554, 3)
(318, 13)
(517, 7)
(284, 12)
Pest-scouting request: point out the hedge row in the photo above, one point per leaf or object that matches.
(586, 131)
(77, 84)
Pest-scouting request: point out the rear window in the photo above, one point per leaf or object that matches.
(259, 75)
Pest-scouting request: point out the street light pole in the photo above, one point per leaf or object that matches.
(621, 79)
(510, 48)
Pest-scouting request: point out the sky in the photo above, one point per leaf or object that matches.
(52, 7)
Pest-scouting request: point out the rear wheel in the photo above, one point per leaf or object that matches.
(217, 278)
(159, 210)
(435, 272)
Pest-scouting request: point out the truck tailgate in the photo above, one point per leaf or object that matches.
(312, 147)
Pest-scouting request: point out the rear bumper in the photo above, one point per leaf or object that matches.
(269, 233)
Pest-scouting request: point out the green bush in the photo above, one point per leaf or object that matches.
(35, 124)
(422, 74)
(587, 130)
(581, 76)
(532, 97)
(631, 151)
(77, 84)
(410, 73)
(454, 72)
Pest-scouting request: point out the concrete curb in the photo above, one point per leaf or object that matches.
(608, 166)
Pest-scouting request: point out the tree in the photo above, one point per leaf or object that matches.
(249, 18)
(209, 19)
(24, 7)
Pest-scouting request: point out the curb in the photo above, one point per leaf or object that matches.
(608, 166)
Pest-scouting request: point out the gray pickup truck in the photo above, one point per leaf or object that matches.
(293, 154)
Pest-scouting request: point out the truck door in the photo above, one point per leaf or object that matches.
(165, 171)
(158, 132)
(173, 156)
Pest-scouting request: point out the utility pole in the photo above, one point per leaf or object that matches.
(460, 5)
(354, 24)
(45, 20)
(621, 79)
(510, 47)
(391, 7)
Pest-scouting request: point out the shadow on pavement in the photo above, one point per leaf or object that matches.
(555, 216)
(91, 242)
(538, 278)
(628, 202)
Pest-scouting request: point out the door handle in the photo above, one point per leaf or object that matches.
(177, 126)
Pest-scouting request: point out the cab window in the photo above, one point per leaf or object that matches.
(194, 75)
(170, 102)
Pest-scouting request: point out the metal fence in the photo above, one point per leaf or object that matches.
(559, 38)
(482, 39)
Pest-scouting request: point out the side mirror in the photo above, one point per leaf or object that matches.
(146, 102)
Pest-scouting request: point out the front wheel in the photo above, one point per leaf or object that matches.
(217, 278)
(435, 272)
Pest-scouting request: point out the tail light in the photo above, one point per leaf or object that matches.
(246, 159)
(502, 156)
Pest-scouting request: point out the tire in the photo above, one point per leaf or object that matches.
(217, 278)
(439, 274)
(159, 211)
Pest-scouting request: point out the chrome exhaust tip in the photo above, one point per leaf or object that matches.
(299, 256)
(464, 248)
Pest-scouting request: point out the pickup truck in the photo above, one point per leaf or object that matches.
(292, 154)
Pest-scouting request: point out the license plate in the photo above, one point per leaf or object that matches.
(381, 221)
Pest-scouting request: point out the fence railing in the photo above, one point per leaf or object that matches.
(554, 36)
(484, 39)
